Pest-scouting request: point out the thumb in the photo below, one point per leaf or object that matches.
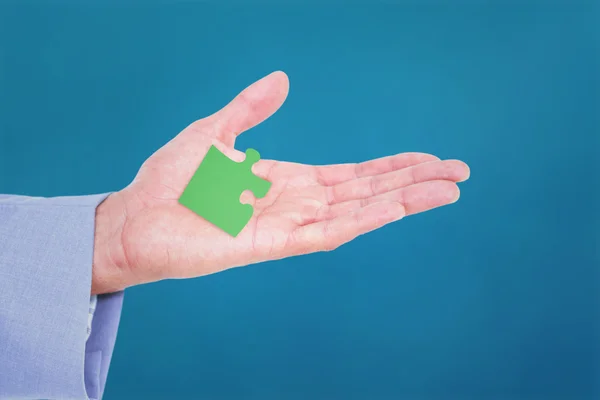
(252, 106)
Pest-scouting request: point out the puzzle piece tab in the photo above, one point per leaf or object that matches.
(214, 191)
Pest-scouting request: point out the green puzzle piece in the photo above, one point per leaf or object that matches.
(214, 190)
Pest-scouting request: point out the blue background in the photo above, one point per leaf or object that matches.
(494, 297)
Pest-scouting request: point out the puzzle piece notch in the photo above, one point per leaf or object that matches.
(215, 189)
(260, 187)
(252, 157)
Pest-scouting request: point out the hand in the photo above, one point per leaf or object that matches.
(143, 234)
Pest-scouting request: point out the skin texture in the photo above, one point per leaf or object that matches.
(144, 235)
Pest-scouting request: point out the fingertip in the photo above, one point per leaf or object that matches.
(282, 79)
(456, 195)
(388, 211)
(447, 192)
(278, 72)
(279, 75)
(465, 170)
(456, 170)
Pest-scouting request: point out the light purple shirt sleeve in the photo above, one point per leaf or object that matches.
(46, 253)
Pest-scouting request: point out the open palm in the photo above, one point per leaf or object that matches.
(307, 209)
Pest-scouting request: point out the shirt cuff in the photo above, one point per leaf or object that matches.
(93, 301)
(46, 255)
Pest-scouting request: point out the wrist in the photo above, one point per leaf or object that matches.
(109, 261)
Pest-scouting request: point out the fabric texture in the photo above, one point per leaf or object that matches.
(46, 253)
